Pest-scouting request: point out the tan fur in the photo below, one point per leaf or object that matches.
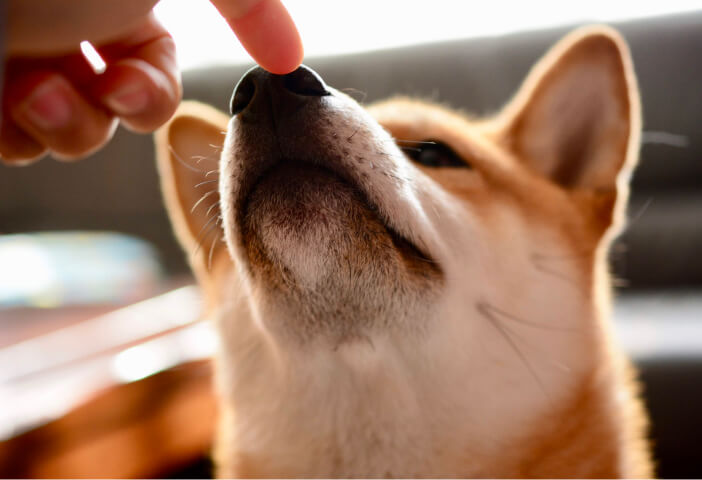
(428, 321)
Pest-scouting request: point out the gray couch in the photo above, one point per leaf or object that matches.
(659, 310)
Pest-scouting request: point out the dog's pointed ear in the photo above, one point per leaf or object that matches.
(576, 119)
(187, 151)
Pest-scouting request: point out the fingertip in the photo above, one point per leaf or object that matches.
(270, 36)
(287, 58)
(16, 147)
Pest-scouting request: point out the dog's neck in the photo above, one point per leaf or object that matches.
(349, 407)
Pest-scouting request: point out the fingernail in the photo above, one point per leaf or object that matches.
(129, 100)
(48, 107)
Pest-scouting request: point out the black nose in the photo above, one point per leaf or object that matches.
(293, 87)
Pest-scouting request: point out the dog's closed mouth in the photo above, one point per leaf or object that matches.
(302, 197)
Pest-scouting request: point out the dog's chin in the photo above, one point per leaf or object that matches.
(304, 225)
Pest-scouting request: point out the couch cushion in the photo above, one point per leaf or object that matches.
(118, 188)
(659, 248)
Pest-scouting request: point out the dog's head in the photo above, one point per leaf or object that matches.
(473, 248)
(351, 220)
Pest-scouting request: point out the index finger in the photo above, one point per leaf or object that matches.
(266, 30)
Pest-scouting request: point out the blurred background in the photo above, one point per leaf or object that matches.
(204, 39)
(104, 368)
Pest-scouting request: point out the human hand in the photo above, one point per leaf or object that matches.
(52, 100)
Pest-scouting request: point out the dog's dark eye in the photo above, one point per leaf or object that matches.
(434, 154)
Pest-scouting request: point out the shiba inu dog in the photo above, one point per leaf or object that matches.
(405, 291)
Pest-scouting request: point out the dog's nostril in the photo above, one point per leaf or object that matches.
(243, 94)
(305, 81)
(284, 90)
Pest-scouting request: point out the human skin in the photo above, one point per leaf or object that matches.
(52, 100)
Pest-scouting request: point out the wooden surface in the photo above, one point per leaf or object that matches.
(127, 394)
(141, 429)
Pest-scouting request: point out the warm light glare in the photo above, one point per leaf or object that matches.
(26, 269)
(139, 362)
(195, 342)
(203, 37)
(93, 57)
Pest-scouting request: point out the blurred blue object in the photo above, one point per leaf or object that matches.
(55, 269)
